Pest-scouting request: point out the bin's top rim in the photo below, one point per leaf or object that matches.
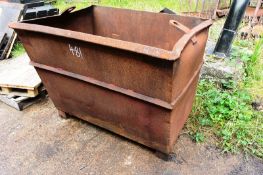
(120, 44)
(171, 55)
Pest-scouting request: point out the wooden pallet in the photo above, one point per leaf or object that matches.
(21, 103)
(16, 91)
(19, 78)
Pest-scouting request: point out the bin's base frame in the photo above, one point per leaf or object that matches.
(116, 130)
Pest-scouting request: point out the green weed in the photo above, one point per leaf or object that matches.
(253, 60)
(225, 112)
(149, 5)
(227, 115)
(18, 50)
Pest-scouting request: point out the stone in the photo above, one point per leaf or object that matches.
(220, 69)
(258, 104)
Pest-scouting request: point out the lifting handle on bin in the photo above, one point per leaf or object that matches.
(183, 28)
(182, 42)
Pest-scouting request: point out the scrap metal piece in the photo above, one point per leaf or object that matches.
(40, 10)
(253, 12)
(9, 12)
(3, 41)
(208, 9)
(253, 20)
(30, 1)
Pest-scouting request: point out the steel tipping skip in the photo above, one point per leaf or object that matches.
(131, 72)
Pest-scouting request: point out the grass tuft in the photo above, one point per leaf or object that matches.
(18, 50)
(135, 4)
(226, 113)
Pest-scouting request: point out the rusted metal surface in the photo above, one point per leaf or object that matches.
(207, 9)
(120, 70)
(253, 20)
(254, 12)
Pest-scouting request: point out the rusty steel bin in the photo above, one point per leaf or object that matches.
(131, 72)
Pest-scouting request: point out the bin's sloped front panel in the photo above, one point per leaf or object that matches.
(143, 122)
(137, 87)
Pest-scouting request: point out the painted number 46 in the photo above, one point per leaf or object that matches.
(76, 51)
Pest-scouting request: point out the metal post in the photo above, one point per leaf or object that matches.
(235, 15)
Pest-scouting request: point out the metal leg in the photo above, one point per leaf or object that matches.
(63, 115)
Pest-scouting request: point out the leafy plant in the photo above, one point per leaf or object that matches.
(18, 50)
(225, 111)
(227, 115)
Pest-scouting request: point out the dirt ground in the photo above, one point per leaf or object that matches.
(38, 141)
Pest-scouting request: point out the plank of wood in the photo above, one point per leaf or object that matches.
(11, 44)
(23, 78)
(19, 92)
(5, 90)
(17, 73)
(32, 93)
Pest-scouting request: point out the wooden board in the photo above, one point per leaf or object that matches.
(19, 92)
(21, 103)
(17, 77)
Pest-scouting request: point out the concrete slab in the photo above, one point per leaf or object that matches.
(219, 69)
(38, 141)
(16, 72)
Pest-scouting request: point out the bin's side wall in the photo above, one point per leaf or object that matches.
(181, 111)
(186, 76)
(143, 74)
(188, 64)
(138, 120)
